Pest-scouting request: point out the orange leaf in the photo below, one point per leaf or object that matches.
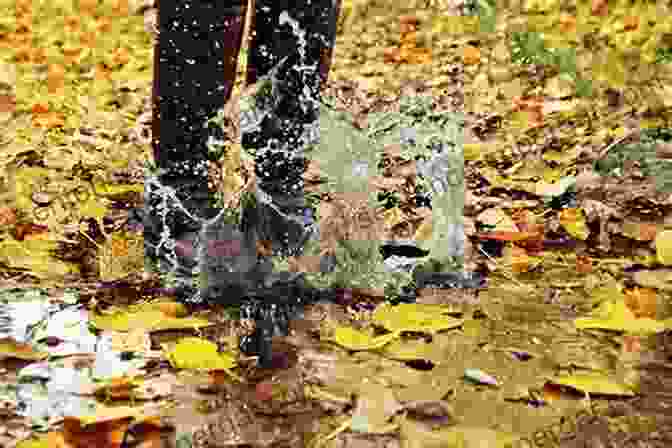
(24, 231)
(520, 261)
(23, 6)
(119, 247)
(647, 231)
(88, 6)
(410, 38)
(409, 19)
(103, 25)
(22, 54)
(108, 434)
(503, 235)
(48, 120)
(7, 216)
(552, 392)
(630, 23)
(7, 103)
(38, 56)
(171, 309)
(391, 54)
(120, 56)
(72, 23)
(56, 70)
(24, 23)
(471, 55)
(584, 265)
(643, 302)
(102, 72)
(87, 39)
(599, 7)
(567, 23)
(120, 7)
(40, 108)
(632, 343)
(420, 56)
(533, 107)
(55, 77)
(55, 439)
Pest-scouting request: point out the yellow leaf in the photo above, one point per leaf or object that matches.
(664, 247)
(196, 353)
(392, 217)
(424, 231)
(574, 221)
(353, 339)
(93, 208)
(413, 317)
(595, 383)
(152, 319)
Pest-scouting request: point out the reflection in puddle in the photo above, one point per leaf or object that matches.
(50, 389)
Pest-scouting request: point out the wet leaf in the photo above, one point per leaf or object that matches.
(353, 339)
(664, 247)
(615, 315)
(413, 317)
(196, 353)
(147, 319)
(573, 220)
(595, 383)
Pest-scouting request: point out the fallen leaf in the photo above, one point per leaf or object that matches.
(471, 55)
(599, 7)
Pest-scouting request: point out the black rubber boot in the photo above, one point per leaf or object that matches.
(288, 47)
(195, 60)
(292, 37)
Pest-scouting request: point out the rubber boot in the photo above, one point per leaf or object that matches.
(295, 35)
(195, 61)
(289, 41)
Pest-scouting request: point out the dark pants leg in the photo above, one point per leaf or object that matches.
(298, 35)
(194, 69)
(290, 44)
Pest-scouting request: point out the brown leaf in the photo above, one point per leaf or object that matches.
(664, 151)
(409, 19)
(471, 55)
(630, 23)
(643, 302)
(391, 54)
(7, 103)
(600, 7)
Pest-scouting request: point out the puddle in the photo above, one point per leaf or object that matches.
(48, 390)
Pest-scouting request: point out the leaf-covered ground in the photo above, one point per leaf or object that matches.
(567, 208)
